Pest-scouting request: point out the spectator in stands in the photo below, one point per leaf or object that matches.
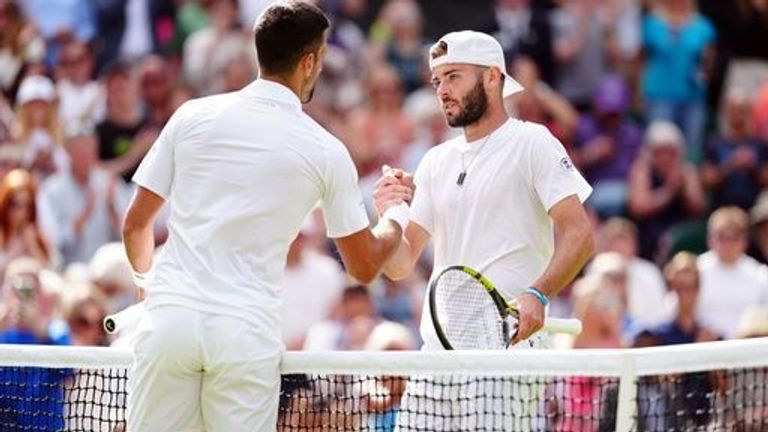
(647, 301)
(156, 89)
(82, 207)
(540, 104)
(739, 24)
(575, 405)
(20, 45)
(606, 144)
(580, 49)
(382, 398)
(381, 130)
(20, 234)
(664, 189)
(33, 400)
(30, 314)
(525, 29)
(85, 318)
(682, 276)
(238, 73)
(110, 273)
(129, 30)
(730, 280)
(38, 129)
(678, 47)
(125, 135)
(312, 285)
(350, 324)
(735, 164)
(759, 218)
(81, 99)
(685, 397)
(60, 22)
(208, 51)
(405, 49)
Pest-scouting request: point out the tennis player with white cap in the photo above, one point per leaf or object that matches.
(241, 171)
(503, 198)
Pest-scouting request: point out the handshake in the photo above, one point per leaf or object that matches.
(392, 193)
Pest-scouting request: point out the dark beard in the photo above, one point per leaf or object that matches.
(475, 104)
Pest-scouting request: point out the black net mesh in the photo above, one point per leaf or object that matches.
(47, 399)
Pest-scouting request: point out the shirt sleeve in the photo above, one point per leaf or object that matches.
(553, 174)
(343, 205)
(421, 206)
(156, 170)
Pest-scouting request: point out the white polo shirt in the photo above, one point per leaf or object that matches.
(241, 171)
(497, 222)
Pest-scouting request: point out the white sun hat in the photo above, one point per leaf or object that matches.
(475, 48)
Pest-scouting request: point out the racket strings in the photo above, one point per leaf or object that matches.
(467, 314)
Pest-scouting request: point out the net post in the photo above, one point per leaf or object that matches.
(627, 406)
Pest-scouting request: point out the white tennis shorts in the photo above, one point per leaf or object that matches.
(195, 371)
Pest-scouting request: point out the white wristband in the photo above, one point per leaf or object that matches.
(399, 214)
(139, 278)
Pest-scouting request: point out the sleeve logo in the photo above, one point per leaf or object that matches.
(566, 163)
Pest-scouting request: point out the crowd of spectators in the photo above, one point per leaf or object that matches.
(662, 105)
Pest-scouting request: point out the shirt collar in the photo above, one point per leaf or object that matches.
(274, 91)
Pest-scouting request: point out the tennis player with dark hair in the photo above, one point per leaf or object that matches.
(503, 199)
(241, 171)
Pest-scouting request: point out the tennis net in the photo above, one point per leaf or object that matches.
(720, 386)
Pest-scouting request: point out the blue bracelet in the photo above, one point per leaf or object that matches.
(542, 298)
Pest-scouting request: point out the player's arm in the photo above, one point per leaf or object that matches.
(403, 261)
(138, 232)
(574, 245)
(365, 252)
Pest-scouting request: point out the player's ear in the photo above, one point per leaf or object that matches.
(308, 64)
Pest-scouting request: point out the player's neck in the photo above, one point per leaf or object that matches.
(492, 120)
(291, 83)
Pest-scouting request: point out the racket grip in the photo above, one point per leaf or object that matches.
(570, 326)
(118, 321)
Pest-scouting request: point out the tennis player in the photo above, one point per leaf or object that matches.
(241, 171)
(503, 198)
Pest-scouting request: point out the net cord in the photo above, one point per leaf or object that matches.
(699, 357)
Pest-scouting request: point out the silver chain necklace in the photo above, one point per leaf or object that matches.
(465, 168)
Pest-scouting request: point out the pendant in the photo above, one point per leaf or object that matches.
(462, 176)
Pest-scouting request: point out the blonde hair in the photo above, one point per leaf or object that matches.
(728, 217)
(23, 129)
(681, 262)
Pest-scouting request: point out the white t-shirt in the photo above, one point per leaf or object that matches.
(649, 304)
(497, 222)
(726, 291)
(242, 171)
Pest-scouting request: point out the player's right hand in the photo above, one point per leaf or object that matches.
(393, 188)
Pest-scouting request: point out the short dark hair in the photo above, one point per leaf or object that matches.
(285, 32)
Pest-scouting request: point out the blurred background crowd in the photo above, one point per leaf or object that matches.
(662, 105)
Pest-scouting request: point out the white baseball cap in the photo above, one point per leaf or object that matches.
(36, 87)
(475, 48)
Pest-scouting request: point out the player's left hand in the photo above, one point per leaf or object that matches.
(530, 319)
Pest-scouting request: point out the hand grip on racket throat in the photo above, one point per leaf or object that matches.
(118, 321)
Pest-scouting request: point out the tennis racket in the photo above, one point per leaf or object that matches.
(118, 321)
(468, 312)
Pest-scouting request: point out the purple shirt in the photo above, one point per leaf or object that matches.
(628, 139)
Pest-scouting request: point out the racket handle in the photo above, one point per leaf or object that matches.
(570, 326)
(116, 322)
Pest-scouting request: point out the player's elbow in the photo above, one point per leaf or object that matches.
(363, 271)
